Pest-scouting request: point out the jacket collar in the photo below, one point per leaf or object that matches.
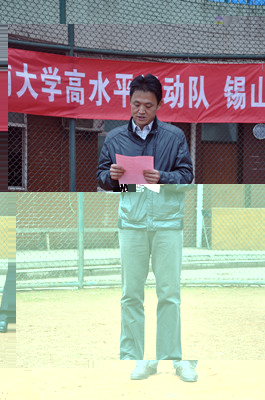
(154, 126)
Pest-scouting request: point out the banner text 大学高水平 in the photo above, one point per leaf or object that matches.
(55, 85)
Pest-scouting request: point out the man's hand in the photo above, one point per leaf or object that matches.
(152, 176)
(116, 172)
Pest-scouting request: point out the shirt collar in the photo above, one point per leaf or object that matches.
(146, 127)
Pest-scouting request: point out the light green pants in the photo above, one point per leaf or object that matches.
(165, 246)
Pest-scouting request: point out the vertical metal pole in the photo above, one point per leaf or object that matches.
(80, 240)
(72, 122)
(199, 224)
(193, 147)
(72, 155)
(248, 196)
(71, 39)
(62, 11)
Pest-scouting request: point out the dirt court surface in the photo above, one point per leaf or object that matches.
(67, 328)
(8, 348)
(218, 380)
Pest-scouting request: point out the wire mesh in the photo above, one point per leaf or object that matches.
(122, 12)
(54, 33)
(39, 154)
(4, 222)
(47, 236)
(7, 233)
(223, 238)
(35, 12)
(244, 35)
(239, 35)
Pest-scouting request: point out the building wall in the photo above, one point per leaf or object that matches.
(253, 157)
(234, 162)
(48, 156)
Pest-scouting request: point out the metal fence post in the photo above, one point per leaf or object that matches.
(248, 196)
(72, 155)
(62, 11)
(80, 240)
(72, 149)
(199, 218)
(193, 148)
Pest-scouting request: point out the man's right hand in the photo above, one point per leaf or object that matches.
(116, 172)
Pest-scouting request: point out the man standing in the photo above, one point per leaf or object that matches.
(145, 135)
(151, 223)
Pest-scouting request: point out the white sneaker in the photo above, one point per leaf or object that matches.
(186, 371)
(143, 370)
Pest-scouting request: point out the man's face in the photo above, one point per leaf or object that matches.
(144, 107)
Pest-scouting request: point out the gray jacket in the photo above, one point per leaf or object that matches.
(165, 142)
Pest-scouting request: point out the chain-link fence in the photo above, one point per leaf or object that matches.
(242, 37)
(7, 233)
(221, 153)
(70, 239)
(33, 168)
(122, 12)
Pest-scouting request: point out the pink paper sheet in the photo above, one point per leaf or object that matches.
(134, 167)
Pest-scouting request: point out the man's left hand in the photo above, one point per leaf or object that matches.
(152, 176)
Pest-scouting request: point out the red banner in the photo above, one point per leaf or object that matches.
(3, 102)
(49, 84)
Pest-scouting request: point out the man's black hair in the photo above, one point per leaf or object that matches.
(147, 83)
